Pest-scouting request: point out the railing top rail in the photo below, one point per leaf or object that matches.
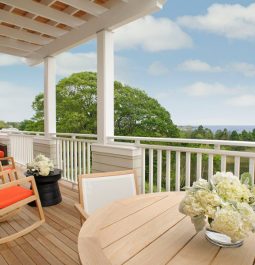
(184, 140)
(33, 133)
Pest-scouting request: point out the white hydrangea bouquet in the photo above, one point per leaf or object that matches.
(225, 202)
(41, 165)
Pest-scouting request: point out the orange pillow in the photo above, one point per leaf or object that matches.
(1, 154)
(12, 195)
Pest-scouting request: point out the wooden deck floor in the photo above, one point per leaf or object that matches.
(55, 242)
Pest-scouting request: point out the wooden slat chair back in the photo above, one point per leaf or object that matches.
(10, 168)
(13, 196)
(99, 189)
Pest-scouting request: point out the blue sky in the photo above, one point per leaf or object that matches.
(195, 57)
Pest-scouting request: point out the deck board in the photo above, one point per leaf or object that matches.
(55, 242)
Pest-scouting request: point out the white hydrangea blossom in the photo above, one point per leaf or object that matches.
(41, 164)
(224, 201)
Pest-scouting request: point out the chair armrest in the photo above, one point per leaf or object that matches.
(79, 208)
(21, 181)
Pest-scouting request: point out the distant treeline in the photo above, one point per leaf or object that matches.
(205, 133)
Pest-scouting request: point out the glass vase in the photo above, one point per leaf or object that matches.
(221, 240)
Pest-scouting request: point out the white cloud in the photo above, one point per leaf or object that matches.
(158, 69)
(198, 66)
(16, 101)
(232, 21)
(8, 60)
(69, 63)
(243, 68)
(247, 100)
(152, 35)
(201, 89)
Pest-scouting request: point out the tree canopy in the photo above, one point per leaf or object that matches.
(136, 114)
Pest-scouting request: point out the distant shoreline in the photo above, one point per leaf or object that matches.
(214, 128)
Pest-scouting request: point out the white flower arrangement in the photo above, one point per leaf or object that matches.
(225, 202)
(41, 165)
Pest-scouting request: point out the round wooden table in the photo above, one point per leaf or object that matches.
(149, 229)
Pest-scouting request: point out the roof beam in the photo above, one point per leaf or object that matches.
(117, 16)
(45, 11)
(28, 23)
(23, 35)
(16, 44)
(14, 52)
(87, 6)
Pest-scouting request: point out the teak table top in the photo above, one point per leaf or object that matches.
(148, 229)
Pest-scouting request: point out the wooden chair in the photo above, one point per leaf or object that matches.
(99, 189)
(13, 196)
(10, 168)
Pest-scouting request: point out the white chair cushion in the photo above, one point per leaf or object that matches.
(100, 191)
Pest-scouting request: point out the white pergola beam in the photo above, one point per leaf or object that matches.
(49, 95)
(45, 11)
(86, 6)
(105, 86)
(16, 44)
(117, 16)
(23, 35)
(28, 23)
(14, 52)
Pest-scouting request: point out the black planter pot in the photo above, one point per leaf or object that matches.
(48, 188)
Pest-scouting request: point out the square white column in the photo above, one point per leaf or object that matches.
(49, 95)
(105, 85)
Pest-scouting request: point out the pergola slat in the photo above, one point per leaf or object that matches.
(45, 11)
(12, 51)
(87, 6)
(28, 23)
(23, 35)
(16, 44)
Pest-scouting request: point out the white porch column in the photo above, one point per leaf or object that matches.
(105, 85)
(49, 95)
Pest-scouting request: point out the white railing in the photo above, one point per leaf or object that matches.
(21, 148)
(168, 165)
(73, 155)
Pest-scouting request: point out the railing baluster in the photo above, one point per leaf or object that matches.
(79, 157)
(199, 166)
(251, 169)
(143, 171)
(223, 163)
(187, 178)
(84, 157)
(159, 170)
(68, 159)
(88, 157)
(151, 170)
(210, 166)
(75, 162)
(71, 158)
(168, 170)
(60, 154)
(237, 166)
(178, 172)
(64, 159)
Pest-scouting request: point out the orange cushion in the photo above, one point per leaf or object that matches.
(12, 195)
(1, 154)
(10, 167)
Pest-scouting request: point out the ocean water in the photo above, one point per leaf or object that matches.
(238, 128)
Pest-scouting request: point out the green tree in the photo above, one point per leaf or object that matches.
(2, 125)
(136, 114)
